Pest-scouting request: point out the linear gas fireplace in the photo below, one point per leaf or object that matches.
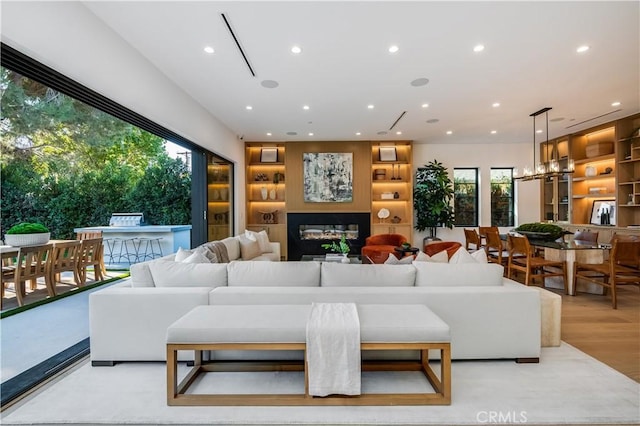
(306, 232)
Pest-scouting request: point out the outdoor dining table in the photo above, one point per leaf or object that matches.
(572, 251)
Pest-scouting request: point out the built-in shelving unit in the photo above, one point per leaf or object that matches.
(219, 198)
(392, 189)
(628, 170)
(556, 190)
(265, 191)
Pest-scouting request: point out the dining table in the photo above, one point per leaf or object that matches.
(570, 250)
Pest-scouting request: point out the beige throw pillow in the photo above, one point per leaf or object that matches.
(248, 248)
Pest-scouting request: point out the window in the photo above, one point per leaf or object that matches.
(502, 204)
(465, 198)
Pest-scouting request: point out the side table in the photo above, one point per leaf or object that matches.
(405, 251)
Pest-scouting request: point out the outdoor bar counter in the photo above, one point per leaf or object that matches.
(171, 237)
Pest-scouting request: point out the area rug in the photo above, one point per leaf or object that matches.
(566, 387)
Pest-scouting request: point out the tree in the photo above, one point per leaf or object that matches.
(432, 196)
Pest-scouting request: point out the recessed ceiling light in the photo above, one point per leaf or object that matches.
(269, 84)
(420, 82)
(449, 132)
(478, 48)
(393, 49)
(249, 107)
(493, 132)
(296, 49)
(358, 133)
(398, 133)
(425, 105)
(268, 133)
(310, 133)
(370, 106)
(495, 104)
(305, 107)
(582, 49)
(209, 49)
(615, 104)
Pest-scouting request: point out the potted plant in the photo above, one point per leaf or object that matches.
(27, 234)
(432, 197)
(541, 231)
(341, 247)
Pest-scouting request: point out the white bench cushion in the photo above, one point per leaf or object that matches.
(287, 323)
(343, 275)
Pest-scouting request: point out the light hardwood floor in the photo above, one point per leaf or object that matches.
(612, 336)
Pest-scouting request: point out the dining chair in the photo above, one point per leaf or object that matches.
(494, 248)
(89, 255)
(471, 237)
(33, 262)
(591, 236)
(521, 258)
(622, 267)
(8, 273)
(64, 258)
(90, 235)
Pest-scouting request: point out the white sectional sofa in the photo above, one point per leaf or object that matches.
(491, 317)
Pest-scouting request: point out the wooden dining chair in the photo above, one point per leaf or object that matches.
(591, 236)
(522, 258)
(494, 247)
(33, 262)
(64, 258)
(8, 273)
(91, 235)
(471, 237)
(622, 267)
(89, 255)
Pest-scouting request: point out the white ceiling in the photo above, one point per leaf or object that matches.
(529, 62)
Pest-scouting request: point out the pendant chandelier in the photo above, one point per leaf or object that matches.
(549, 167)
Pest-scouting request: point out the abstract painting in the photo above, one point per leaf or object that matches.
(328, 177)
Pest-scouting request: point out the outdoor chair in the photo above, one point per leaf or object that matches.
(32, 262)
(64, 258)
(92, 235)
(89, 255)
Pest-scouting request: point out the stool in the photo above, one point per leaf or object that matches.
(121, 248)
(150, 252)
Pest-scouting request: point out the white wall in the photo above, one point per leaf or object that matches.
(484, 157)
(67, 37)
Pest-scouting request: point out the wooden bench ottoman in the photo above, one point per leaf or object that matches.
(283, 327)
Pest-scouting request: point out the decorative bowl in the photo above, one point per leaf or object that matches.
(541, 236)
(18, 240)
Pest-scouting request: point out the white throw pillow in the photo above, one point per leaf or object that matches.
(182, 254)
(430, 274)
(233, 247)
(197, 257)
(461, 256)
(262, 238)
(335, 274)
(392, 260)
(248, 248)
(480, 256)
(439, 257)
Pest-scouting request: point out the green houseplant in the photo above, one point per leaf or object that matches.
(432, 197)
(341, 246)
(27, 234)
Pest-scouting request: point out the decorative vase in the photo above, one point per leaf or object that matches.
(263, 192)
(223, 194)
(345, 258)
(272, 194)
(18, 240)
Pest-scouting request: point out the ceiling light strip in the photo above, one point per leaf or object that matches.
(396, 122)
(246, 60)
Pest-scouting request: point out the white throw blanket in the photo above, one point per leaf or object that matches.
(333, 349)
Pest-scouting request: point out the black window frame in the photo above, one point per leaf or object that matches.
(476, 201)
(511, 197)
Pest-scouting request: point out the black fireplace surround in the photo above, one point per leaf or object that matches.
(306, 232)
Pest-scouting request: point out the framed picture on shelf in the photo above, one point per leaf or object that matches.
(388, 153)
(269, 155)
(603, 212)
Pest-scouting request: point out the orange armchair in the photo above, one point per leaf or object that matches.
(378, 247)
(437, 246)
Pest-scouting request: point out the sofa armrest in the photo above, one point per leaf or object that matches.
(275, 248)
(130, 324)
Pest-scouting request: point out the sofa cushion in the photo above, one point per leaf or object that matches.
(463, 256)
(233, 247)
(178, 274)
(344, 275)
(197, 257)
(268, 257)
(393, 260)
(281, 274)
(182, 254)
(462, 274)
(141, 275)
